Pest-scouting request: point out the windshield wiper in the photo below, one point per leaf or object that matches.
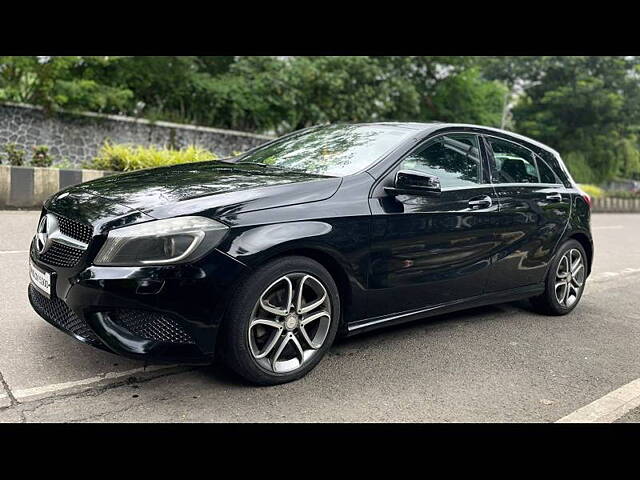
(288, 169)
(265, 165)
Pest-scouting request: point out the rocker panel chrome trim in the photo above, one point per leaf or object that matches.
(477, 301)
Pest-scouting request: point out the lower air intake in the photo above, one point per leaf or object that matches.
(151, 326)
(56, 311)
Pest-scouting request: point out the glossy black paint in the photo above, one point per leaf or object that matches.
(438, 245)
(530, 228)
(395, 257)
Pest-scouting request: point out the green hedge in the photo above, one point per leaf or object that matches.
(124, 157)
(592, 190)
(597, 192)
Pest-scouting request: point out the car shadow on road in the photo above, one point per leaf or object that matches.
(220, 373)
(475, 315)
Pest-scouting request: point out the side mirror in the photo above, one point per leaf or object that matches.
(412, 182)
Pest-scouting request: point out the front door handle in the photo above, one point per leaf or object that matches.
(554, 197)
(476, 203)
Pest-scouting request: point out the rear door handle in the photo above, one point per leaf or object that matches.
(477, 203)
(555, 197)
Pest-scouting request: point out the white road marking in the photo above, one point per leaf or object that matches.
(27, 393)
(608, 227)
(608, 408)
(598, 277)
(13, 251)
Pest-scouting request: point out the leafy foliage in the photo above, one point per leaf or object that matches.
(592, 190)
(585, 107)
(122, 157)
(60, 82)
(15, 155)
(41, 156)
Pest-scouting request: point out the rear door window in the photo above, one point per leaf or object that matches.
(512, 162)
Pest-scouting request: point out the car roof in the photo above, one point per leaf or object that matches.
(430, 127)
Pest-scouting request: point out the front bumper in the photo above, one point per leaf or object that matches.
(160, 314)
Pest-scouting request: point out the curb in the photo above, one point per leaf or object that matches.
(29, 187)
(615, 205)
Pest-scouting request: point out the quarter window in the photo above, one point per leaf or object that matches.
(546, 174)
(551, 161)
(454, 159)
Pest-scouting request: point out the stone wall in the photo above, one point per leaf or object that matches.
(76, 137)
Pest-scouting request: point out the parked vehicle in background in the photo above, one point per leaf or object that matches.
(263, 259)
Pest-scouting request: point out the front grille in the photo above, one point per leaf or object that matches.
(61, 255)
(151, 325)
(58, 313)
(74, 229)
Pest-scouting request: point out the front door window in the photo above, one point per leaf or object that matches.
(454, 159)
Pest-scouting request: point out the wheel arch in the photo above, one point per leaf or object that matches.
(333, 266)
(324, 258)
(584, 240)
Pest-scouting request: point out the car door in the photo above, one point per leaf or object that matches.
(435, 249)
(534, 211)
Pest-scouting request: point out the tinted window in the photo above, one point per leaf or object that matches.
(546, 174)
(335, 150)
(553, 162)
(513, 163)
(455, 159)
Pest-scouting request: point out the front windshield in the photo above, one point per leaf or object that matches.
(334, 150)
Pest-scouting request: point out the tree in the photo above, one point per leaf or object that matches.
(283, 94)
(467, 98)
(585, 107)
(58, 82)
(448, 89)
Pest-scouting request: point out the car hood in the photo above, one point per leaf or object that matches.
(212, 188)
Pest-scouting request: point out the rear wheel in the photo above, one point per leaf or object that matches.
(565, 281)
(282, 321)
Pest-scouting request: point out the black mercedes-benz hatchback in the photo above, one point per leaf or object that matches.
(262, 259)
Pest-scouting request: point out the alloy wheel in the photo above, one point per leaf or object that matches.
(290, 322)
(570, 276)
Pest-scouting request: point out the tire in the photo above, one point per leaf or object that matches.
(556, 299)
(253, 327)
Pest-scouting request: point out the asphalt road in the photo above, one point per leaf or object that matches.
(494, 364)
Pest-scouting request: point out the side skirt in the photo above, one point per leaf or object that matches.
(368, 324)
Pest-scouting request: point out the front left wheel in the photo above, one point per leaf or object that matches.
(282, 320)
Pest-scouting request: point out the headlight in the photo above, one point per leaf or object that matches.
(161, 242)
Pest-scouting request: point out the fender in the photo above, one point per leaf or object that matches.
(258, 240)
(576, 225)
(254, 246)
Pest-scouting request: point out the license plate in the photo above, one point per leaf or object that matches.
(40, 279)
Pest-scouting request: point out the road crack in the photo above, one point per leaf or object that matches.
(30, 407)
(5, 385)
